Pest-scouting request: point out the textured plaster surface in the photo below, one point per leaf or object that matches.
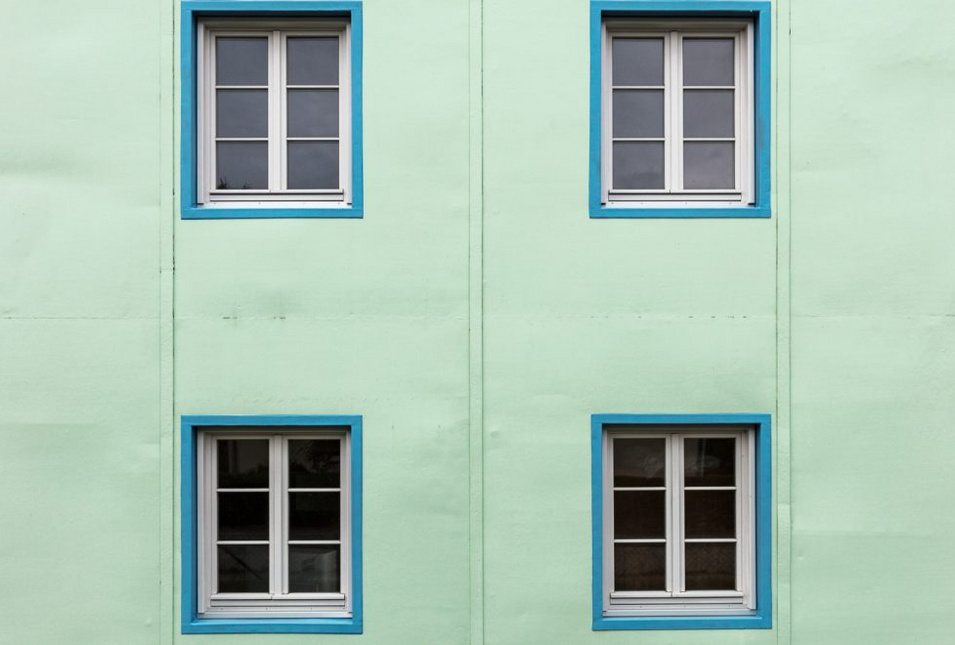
(476, 317)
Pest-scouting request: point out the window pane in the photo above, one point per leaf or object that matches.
(710, 567)
(639, 462)
(314, 568)
(709, 113)
(637, 61)
(313, 113)
(639, 567)
(243, 463)
(313, 164)
(708, 61)
(242, 165)
(709, 462)
(639, 514)
(710, 513)
(242, 61)
(638, 165)
(243, 516)
(638, 113)
(312, 61)
(242, 113)
(314, 463)
(243, 568)
(709, 165)
(314, 516)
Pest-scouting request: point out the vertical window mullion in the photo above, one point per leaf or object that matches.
(608, 526)
(740, 511)
(276, 112)
(679, 584)
(606, 124)
(675, 139)
(344, 504)
(275, 516)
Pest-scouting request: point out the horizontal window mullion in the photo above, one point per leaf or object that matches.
(709, 488)
(707, 139)
(313, 87)
(241, 87)
(638, 87)
(242, 139)
(305, 542)
(639, 540)
(242, 490)
(314, 490)
(238, 542)
(652, 139)
(312, 138)
(639, 488)
(709, 87)
(709, 540)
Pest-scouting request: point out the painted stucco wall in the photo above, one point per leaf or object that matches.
(476, 317)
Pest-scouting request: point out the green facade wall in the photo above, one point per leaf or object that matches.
(476, 317)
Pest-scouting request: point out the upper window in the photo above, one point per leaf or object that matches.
(275, 526)
(679, 521)
(679, 117)
(273, 113)
(679, 113)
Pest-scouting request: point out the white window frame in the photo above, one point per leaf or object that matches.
(278, 602)
(676, 601)
(277, 195)
(673, 32)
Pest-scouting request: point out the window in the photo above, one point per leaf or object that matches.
(275, 115)
(679, 506)
(681, 119)
(276, 523)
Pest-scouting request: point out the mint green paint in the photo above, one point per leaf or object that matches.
(476, 318)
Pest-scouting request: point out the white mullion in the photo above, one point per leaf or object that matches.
(276, 111)
(675, 80)
(737, 114)
(606, 115)
(679, 549)
(344, 115)
(671, 509)
(608, 524)
(344, 535)
(276, 515)
(748, 145)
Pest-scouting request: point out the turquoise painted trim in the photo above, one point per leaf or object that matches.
(761, 13)
(191, 622)
(191, 10)
(762, 619)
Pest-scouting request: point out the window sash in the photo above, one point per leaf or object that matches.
(673, 194)
(675, 599)
(277, 195)
(278, 599)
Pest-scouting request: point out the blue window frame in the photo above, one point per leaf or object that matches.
(758, 14)
(760, 617)
(192, 621)
(194, 11)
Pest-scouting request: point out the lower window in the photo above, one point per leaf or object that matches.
(277, 523)
(679, 520)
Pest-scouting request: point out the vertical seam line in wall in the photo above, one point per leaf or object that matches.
(476, 322)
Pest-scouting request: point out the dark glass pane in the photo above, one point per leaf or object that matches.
(637, 61)
(638, 165)
(709, 165)
(243, 516)
(638, 113)
(314, 463)
(312, 164)
(639, 514)
(639, 567)
(313, 113)
(708, 61)
(709, 462)
(242, 165)
(243, 463)
(312, 61)
(243, 568)
(314, 568)
(314, 516)
(709, 113)
(242, 61)
(242, 113)
(709, 513)
(639, 462)
(710, 567)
